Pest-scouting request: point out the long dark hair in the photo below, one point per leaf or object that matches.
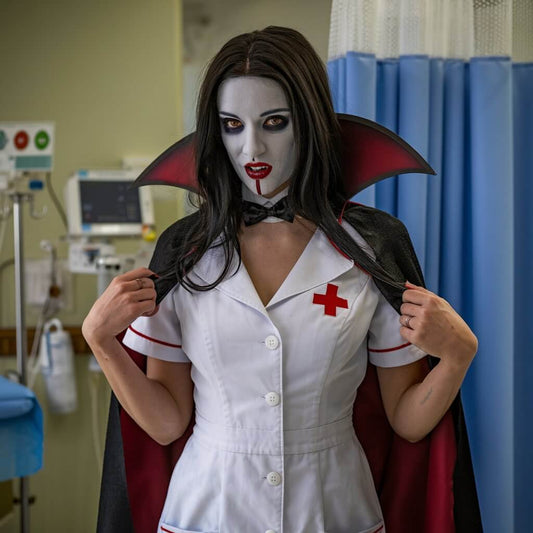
(316, 187)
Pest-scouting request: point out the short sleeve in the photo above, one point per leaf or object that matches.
(158, 336)
(386, 347)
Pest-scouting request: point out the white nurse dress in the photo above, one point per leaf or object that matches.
(273, 447)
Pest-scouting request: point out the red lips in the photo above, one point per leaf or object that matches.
(257, 171)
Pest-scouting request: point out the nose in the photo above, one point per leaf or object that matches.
(253, 143)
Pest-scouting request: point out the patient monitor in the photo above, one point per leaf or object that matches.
(102, 203)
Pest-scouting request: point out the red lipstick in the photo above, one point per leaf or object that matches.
(258, 171)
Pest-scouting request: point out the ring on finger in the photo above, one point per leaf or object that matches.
(139, 283)
(407, 321)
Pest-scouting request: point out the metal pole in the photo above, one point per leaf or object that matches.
(22, 350)
(20, 315)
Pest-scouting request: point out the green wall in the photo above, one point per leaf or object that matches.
(108, 73)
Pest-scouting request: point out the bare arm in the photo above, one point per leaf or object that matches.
(160, 401)
(415, 404)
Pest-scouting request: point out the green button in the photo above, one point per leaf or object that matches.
(42, 140)
(3, 139)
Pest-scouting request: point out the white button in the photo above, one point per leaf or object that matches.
(270, 531)
(274, 478)
(272, 342)
(272, 399)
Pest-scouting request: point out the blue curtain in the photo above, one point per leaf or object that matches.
(472, 228)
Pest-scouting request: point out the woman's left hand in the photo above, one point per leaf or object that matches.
(430, 322)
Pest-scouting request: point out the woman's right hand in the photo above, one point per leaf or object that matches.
(127, 297)
(160, 400)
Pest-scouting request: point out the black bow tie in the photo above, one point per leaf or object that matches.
(254, 213)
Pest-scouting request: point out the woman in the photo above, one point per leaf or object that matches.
(273, 315)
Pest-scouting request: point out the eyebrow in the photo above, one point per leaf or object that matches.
(278, 110)
(269, 112)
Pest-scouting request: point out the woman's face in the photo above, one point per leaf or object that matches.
(257, 132)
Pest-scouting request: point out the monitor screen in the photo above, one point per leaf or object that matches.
(109, 202)
(103, 203)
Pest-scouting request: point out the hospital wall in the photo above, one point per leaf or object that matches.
(109, 75)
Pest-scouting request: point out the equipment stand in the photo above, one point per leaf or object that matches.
(22, 350)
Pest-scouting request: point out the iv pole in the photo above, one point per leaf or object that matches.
(21, 334)
(22, 350)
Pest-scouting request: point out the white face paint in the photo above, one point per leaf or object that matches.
(257, 132)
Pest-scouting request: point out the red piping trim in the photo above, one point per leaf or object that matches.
(390, 350)
(380, 528)
(363, 270)
(168, 530)
(191, 251)
(339, 220)
(154, 340)
(338, 249)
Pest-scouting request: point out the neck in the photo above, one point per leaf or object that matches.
(250, 196)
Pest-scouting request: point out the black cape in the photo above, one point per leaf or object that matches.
(423, 487)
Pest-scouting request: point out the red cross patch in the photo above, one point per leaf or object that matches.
(330, 300)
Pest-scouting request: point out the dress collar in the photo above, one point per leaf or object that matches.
(319, 263)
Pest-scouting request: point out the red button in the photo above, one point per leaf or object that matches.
(21, 140)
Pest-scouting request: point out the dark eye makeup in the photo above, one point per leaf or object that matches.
(231, 125)
(276, 122)
(271, 123)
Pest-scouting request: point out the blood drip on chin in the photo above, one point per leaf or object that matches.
(258, 186)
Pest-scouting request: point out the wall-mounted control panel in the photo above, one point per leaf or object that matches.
(26, 146)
